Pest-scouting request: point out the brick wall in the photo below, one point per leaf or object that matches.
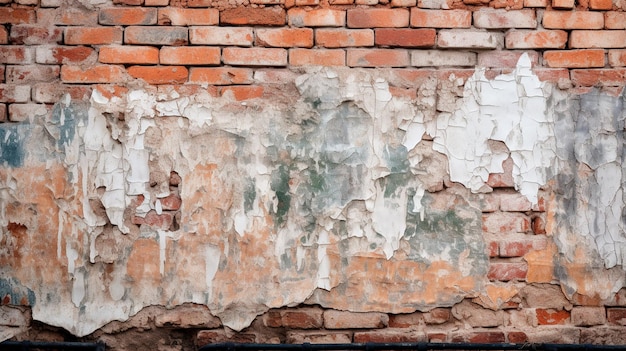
(535, 284)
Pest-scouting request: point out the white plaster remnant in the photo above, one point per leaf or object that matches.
(511, 108)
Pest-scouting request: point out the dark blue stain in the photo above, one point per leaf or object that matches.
(14, 293)
(64, 118)
(12, 138)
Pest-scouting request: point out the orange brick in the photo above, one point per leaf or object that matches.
(67, 16)
(30, 34)
(243, 92)
(4, 35)
(501, 18)
(299, 17)
(574, 58)
(378, 17)
(285, 37)
(93, 35)
(573, 20)
(95, 74)
(198, 3)
(160, 74)
(156, 2)
(615, 20)
(597, 39)
(126, 16)
(190, 55)
(551, 317)
(338, 38)
(563, 4)
(229, 36)
(606, 77)
(554, 75)
(441, 18)
(156, 35)
(13, 54)
(129, 54)
(64, 54)
(317, 57)
(600, 4)
(536, 39)
(536, 3)
(17, 15)
(176, 16)
(377, 58)
(254, 56)
(220, 75)
(617, 58)
(268, 16)
(405, 37)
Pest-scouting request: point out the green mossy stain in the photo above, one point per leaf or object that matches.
(249, 195)
(12, 138)
(280, 185)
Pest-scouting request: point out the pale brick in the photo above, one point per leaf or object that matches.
(429, 58)
(601, 39)
(334, 319)
(14, 316)
(14, 93)
(390, 336)
(319, 337)
(3, 113)
(603, 336)
(31, 74)
(230, 36)
(617, 58)
(441, 18)
(49, 93)
(500, 18)
(561, 335)
(504, 59)
(377, 58)
(544, 296)
(187, 316)
(469, 39)
(615, 20)
(14, 54)
(29, 111)
(573, 20)
(506, 222)
(586, 316)
(539, 39)
(295, 318)
(477, 316)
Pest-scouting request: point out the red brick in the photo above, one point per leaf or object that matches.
(93, 35)
(64, 54)
(4, 35)
(334, 319)
(295, 318)
(205, 337)
(17, 15)
(171, 202)
(156, 35)
(50, 93)
(405, 37)
(573, 20)
(110, 91)
(440, 18)
(563, 4)
(406, 320)
(285, 37)
(230, 36)
(377, 17)
(16, 54)
(517, 337)
(377, 58)
(160, 74)
(616, 315)
(601, 39)
(538, 225)
(152, 219)
(3, 113)
(23, 112)
(518, 246)
(220, 75)
(31, 74)
(190, 55)
(2, 76)
(317, 57)
(500, 18)
(254, 56)
(551, 317)
(127, 16)
(615, 20)
(129, 54)
(242, 92)
(337, 38)
(574, 58)
(507, 271)
(94, 74)
(389, 336)
(29, 34)
(14, 93)
(601, 4)
(493, 249)
(617, 58)
(268, 16)
(176, 16)
(554, 75)
(299, 17)
(479, 337)
(67, 16)
(539, 39)
(504, 59)
(606, 77)
(128, 2)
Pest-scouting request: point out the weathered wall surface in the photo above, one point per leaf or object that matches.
(177, 173)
